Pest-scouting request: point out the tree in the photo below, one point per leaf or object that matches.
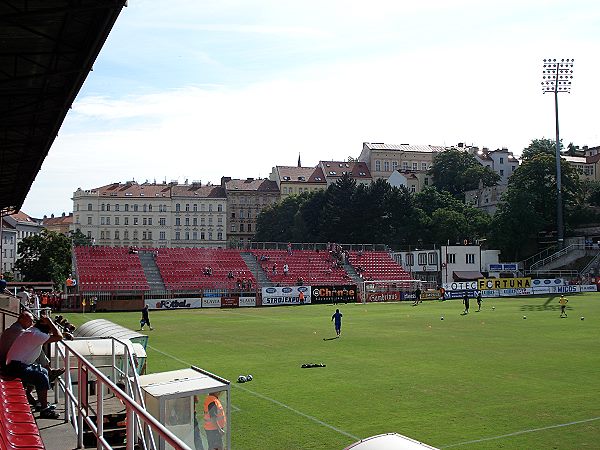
(337, 222)
(546, 146)
(79, 239)
(457, 171)
(45, 257)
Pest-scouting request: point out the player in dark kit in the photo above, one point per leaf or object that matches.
(337, 320)
(478, 301)
(466, 303)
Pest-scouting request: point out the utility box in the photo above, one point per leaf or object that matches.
(191, 403)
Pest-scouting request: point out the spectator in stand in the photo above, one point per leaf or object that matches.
(249, 284)
(289, 248)
(274, 269)
(243, 283)
(21, 357)
(230, 275)
(286, 269)
(238, 283)
(3, 288)
(300, 281)
(24, 299)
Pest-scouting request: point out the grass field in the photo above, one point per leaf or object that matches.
(488, 380)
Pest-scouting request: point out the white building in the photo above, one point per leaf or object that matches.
(152, 215)
(8, 247)
(22, 226)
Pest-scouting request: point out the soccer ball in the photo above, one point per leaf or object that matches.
(242, 379)
(493, 307)
(524, 317)
(582, 317)
(249, 377)
(442, 318)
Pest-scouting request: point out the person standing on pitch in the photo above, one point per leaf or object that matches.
(337, 321)
(145, 318)
(478, 301)
(417, 296)
(466, 303)
(214, 421)
(563, 305)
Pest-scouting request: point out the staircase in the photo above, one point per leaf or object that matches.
(564, 257)
(356, 279)
(256, 269)
(151, 271)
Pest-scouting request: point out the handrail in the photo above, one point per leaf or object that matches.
(540, 255)
(594, 261)
(75, 407)
(556, 255)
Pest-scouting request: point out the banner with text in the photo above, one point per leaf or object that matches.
(503, 283)
(247, 301)
(388, 296)
(334, 294)
(288, 295)
(211, 302)
(173, 303)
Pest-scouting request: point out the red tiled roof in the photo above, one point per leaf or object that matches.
(22, 217)
(59, 220)
(357, 170)
(196, 190)
(403, 147)
(300, 174)
(250, 184)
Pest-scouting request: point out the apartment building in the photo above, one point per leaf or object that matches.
(295, 180)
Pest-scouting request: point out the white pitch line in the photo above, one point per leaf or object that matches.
(517, 433)
(272, 400)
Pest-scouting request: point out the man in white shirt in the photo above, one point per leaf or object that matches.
(24, 352)
(23, 297)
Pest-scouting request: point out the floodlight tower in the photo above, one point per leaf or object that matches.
(557, 77)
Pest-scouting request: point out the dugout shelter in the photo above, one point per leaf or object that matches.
(106, 328)
(176, 399)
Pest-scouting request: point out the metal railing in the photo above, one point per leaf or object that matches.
(140, 425)
(556, 256)
(526, 263)
(592, 263)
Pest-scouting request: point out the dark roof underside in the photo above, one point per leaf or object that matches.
(47, 49)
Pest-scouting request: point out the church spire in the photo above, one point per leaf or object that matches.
(299, 163)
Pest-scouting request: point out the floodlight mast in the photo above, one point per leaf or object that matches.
(557, 77)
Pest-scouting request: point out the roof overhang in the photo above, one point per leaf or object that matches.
(47, 49)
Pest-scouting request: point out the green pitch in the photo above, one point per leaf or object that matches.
(488, 380)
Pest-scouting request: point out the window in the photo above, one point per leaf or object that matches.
(108, 206)
(89, 206)
(149, 220)
(404, 165)
(432, 258)
(187, 207)
(150, 208)
(89, 234)
(501, 160)
(135, 220)
(195, 235)
(101, 220)
(177, 222)
(145, 207)
(187, 235)
(210, 236)
(470, 258)
(144, 221)
(102, 235)
(386, 166)
(89, 220)
(415, 166)
(163, 235)
(233, 227)
(202, 235)
(422, 257)
(220, 236)
(117, 206)
(220, 208)
(501, 172)
(195, 222)
(117, 235)
(410, 259)
(451, 258)
(126, 207)
(126, 234)
(177, 207)
(135, 235)
(187, 221)
(195, 207)
(162, 221)
(202, 221)
(249, 227)
(426, 182)
(135, 208)
(423, 166)
(241, 227)
(220, 220)
(102, 207)
(144, 236)
(107, 234)
(177, 235)
(108, 221)
(150, 235)
(210, 207)
(126, 219)
(378, 166)
(210, 221)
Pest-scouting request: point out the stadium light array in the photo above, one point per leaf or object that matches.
(557, 76)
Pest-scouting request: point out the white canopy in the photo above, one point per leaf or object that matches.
(389, 441)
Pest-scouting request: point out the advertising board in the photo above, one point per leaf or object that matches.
(334, 294)
(287, 295)
(173, 303)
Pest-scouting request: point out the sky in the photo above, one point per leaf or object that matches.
(197, 90)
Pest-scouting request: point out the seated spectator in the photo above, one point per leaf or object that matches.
(300, 281)
(230, 275)
(286, 269)
(243, 283)
(274, 270)
(21, 357)
(238, 283)
(249, 284)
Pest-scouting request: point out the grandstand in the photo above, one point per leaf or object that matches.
(109, 269)
(114, 269)
(183, 268)
(311, 266)
(377, 266)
